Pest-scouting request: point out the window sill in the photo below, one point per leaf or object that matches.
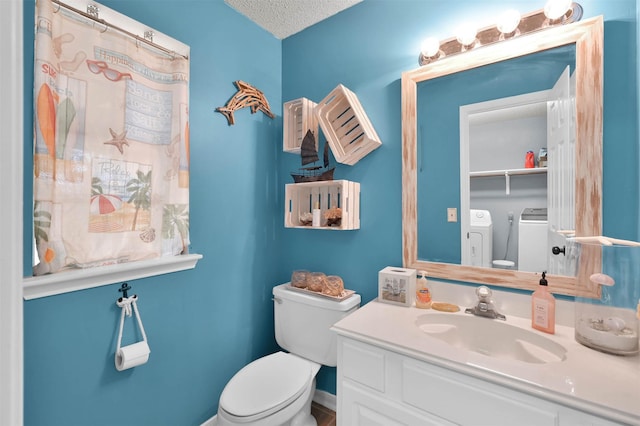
(64, 282)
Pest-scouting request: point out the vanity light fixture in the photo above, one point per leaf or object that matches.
(466, 36)
(430, 47)
(510, 24)
(556, 9)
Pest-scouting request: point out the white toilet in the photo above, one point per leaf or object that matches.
(277, 389)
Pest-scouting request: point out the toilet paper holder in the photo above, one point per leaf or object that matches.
(137, 353)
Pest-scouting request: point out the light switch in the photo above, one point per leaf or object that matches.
(452, 214)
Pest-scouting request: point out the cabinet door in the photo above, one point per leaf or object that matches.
(570, 417)
(365, 408)
(468, 401)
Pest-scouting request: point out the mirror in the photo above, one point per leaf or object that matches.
(499, 112)
(513, 211)
(585, 38)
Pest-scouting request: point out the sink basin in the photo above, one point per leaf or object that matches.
(492, 338)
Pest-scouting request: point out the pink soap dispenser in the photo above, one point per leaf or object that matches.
(543, 308)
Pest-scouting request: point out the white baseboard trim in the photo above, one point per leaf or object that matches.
(323, 398)
(210, 422)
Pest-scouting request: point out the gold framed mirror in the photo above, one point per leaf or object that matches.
(587, 36)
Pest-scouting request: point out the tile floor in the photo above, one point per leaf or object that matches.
(323, 415)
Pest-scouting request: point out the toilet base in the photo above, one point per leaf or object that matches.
(304, 417)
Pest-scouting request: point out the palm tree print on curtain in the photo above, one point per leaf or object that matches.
(120, 196)
(175, 227)
(139, 189)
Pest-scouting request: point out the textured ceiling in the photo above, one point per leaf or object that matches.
(283, 18)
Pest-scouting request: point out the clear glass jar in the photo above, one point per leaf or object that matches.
(333, 285)
(316, 281)
(299, 278)
(610, 323)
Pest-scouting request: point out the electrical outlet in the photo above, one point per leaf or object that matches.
(452, 214)
(510, 216)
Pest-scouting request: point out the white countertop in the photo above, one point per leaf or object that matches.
(601, 384)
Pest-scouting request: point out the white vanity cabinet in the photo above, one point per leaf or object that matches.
(377, 386)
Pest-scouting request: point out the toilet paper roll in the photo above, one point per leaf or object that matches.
(132, 355)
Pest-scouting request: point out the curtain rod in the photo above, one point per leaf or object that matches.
(122, 30)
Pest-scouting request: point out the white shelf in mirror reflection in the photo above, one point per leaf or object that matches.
(508, 172)
(81, 279)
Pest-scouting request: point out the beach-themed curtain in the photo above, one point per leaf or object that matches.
(111, 145)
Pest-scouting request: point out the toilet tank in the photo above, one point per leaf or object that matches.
(303, 322)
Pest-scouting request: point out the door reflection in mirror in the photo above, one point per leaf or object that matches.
(493, 137)
(446, 157)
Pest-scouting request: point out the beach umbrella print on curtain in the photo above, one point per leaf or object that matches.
(105, 204)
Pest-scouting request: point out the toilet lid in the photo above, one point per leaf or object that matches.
(266, 385)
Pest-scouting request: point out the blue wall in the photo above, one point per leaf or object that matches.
(204, 324)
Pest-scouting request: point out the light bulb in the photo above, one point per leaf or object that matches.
(508, 22)
(466, 35)
(430, 47)
(555, 9)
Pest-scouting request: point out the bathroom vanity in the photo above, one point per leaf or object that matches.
(409, 366)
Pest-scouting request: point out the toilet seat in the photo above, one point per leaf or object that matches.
(266, 385)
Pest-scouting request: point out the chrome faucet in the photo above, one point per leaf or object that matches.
(485, 307)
